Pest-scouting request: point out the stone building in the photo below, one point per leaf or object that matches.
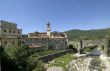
(10, 35)
(46, 40)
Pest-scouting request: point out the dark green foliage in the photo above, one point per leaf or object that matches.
(90, 48)
(20, 59)
(6, 63)
(88, 34)
(34, 64)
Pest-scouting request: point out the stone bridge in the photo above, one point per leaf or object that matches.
(80, 44)
(85, 43)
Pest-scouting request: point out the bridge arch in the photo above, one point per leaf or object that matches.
(72, 47)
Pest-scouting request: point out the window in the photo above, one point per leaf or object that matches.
(18, 32)
(13, 31)
(31, 44)
(5, 42)
(45, 39)
(19, 37)
(13, 43)
(10, 31)
(4, 30)
(25, 39)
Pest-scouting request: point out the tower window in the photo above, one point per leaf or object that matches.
(4, 30)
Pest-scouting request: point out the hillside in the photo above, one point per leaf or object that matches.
(87, 34)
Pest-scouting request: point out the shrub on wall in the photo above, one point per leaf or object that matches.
(89, 48)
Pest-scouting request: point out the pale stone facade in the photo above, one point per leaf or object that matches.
(10, 35)
(46, 40)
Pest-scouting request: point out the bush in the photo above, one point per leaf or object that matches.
(90, 48)
(33, 64)
(95, 64)
(62, 61)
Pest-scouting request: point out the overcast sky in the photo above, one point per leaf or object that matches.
(33, 15)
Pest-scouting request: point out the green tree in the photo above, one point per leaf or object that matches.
(6, 63)
(34, 64)
(88, 34)
(22, 57)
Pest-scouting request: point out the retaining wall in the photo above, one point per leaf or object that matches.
(50, 57)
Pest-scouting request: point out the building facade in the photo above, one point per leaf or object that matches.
(46, 40)
(10, 35)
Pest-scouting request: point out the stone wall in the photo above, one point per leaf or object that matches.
(46, 43)
(10, 42)
(50, 57)
(10, 34)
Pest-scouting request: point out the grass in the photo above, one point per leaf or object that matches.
(62, 61)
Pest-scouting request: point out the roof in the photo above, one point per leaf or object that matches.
(44, 34)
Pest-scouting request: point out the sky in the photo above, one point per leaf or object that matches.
(64, 15)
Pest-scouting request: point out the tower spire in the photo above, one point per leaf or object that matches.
(48, 29)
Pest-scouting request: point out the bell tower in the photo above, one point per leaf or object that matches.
(48, 29)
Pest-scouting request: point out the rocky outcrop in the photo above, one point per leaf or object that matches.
(81, 64)
(55, 69)
(89, 64)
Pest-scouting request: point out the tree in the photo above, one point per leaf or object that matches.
(20, 59)
(6, 63)
(34, 64)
